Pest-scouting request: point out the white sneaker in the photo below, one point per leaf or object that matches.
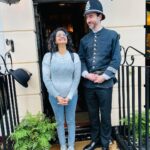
(63, 147)
(70, 148)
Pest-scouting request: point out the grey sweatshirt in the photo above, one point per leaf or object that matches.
(61, 75)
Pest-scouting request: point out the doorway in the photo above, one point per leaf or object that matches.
(48, 17)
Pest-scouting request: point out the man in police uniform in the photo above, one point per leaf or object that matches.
(100, 56)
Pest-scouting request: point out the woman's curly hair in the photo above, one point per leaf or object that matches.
(53, 46)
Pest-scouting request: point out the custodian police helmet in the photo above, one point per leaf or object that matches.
(94, 6)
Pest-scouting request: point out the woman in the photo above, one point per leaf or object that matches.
(61, 74)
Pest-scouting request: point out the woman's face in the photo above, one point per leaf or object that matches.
(61, 38)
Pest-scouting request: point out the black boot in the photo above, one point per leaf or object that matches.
(105, 148)
(92, 146)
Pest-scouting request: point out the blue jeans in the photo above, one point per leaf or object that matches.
(61, 112)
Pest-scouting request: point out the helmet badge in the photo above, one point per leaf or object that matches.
(87, 6)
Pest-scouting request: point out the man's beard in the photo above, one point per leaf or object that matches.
(91, 26)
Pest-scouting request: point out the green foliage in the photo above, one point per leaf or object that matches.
(34, 133)
(143, 125)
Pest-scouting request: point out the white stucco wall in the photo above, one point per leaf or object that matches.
(18, 25)
(121, 13)
(127, 17)
(2, 45)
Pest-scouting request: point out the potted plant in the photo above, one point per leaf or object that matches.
(34, 133)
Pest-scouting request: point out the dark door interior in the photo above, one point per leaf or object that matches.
(148, 33)
(148, 40)
(70, 16)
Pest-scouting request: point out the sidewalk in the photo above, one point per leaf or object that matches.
(80, 144)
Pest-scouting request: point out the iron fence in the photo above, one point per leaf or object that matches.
(9, 117)
(134, 104)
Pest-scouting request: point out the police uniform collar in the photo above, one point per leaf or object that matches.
(98, 30)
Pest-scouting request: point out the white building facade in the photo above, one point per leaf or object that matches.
(17, 22)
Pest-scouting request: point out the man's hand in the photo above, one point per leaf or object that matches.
(91, 76)
(99, 79)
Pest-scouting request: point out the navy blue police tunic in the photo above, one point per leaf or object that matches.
(100, 53)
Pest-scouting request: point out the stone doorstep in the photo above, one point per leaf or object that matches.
(80, 145)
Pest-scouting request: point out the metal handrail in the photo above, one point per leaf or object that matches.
(132, 56)
(8, 55)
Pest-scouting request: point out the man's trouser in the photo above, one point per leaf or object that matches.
(99, 101)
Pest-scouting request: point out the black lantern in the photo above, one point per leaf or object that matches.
(20, 75)
(9, 1)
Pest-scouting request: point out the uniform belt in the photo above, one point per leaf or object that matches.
(98, 72)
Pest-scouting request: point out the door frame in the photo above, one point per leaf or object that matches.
(61, 1)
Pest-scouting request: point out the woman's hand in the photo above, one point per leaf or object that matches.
(61, 100)
(67, 100)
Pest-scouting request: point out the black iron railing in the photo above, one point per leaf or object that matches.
(9, 117)
(134, 104)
